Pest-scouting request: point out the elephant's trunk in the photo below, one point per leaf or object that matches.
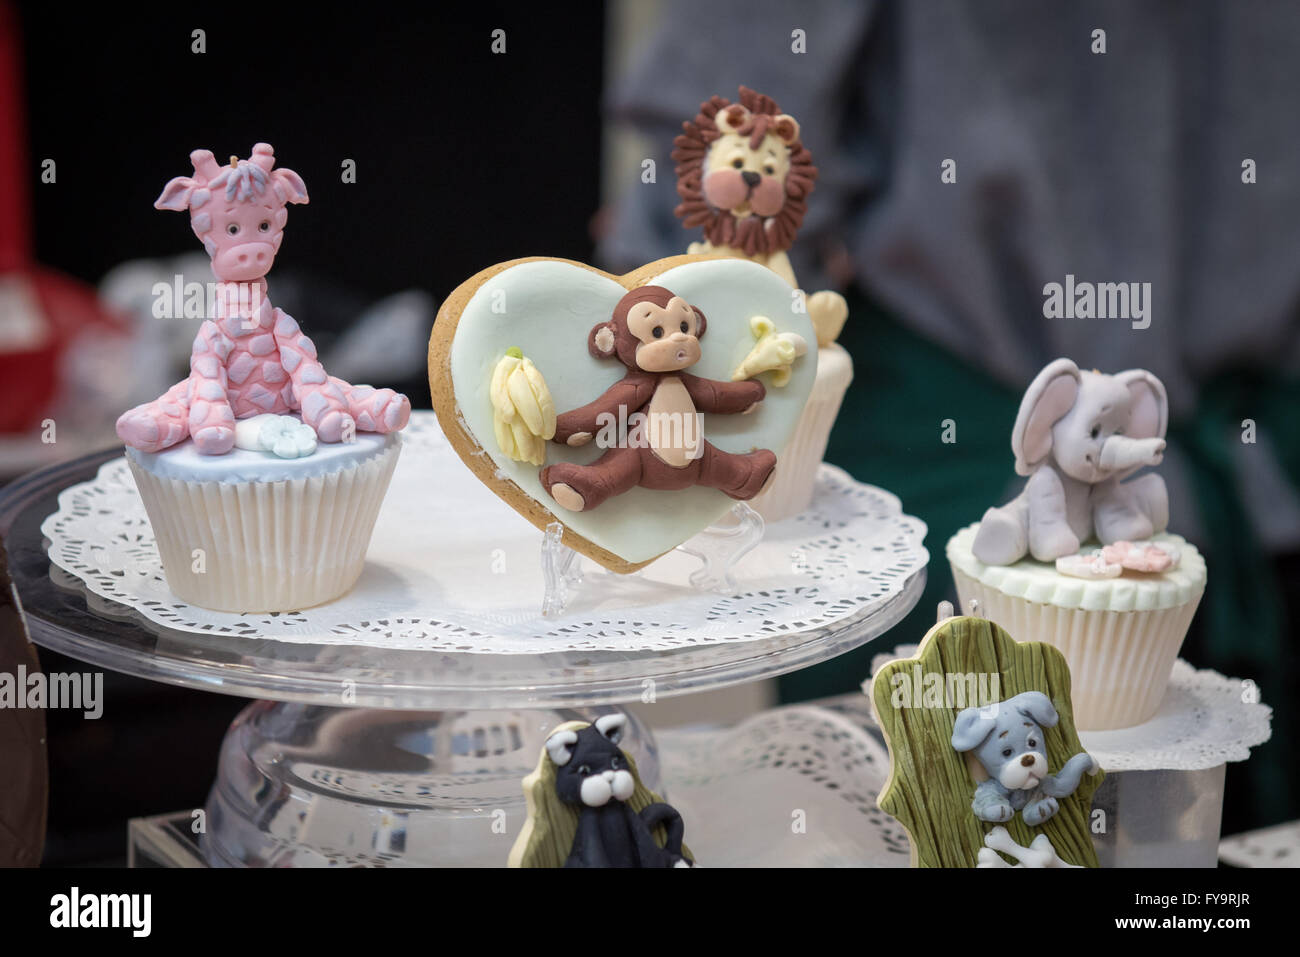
(1121, 452)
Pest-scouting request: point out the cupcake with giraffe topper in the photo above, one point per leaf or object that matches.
(744, 177)
(262, 474)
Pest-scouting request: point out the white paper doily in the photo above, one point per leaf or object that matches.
(1205, 720)
(452, 568)
(790, 787)
(1277, 846)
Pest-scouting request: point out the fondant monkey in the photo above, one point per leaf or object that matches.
(656, 334)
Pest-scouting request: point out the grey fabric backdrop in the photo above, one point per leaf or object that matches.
(1117, 167)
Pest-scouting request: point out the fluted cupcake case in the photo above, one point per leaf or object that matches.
(791, 488)
(1120, 636)
(292, 538)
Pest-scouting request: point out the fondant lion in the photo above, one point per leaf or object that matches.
(744, 176)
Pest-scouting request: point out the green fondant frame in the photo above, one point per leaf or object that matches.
(930, 785)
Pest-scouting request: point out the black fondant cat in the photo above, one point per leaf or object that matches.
(592, 773)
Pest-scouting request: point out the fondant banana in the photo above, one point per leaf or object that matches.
(773, 352)
(523, 413)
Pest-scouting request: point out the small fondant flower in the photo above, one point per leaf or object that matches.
(1092, 566)
(1141, 556)
(288, 438)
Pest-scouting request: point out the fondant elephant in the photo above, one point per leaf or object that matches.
(1077, 436)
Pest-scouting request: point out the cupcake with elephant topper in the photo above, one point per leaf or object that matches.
(744, 176)
(1081, 558)
(261, 474)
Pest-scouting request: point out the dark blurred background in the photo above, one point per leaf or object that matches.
(1119, 166)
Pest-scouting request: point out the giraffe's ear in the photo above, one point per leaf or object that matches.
(176, 194)
(291, 184)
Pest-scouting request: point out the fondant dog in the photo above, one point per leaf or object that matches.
(1007, 738)
(595, 775)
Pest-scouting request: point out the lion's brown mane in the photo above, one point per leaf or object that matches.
(755, 235)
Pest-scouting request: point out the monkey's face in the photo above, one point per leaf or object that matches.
(668, 336)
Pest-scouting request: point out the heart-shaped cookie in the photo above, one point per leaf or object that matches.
(636, 419)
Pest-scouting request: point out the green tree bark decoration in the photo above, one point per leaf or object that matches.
(930, 785)
(547, 835)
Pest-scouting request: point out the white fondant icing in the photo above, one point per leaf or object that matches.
(596, 791)
(551, 308)
(1039, 582)
(623, 784)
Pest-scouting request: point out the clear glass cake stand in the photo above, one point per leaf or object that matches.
(360, 755)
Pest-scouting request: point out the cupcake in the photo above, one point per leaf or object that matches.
(250, 531)
(1081, 558)
(1119, 632)
(791, 488)
(262, 475)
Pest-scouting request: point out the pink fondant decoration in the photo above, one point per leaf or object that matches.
(249, 358)
(1138, 558)
(1090, 566)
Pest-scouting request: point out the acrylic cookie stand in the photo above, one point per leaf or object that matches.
(395, 724)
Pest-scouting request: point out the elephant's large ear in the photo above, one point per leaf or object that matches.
(1150, 415)
(1046, 401)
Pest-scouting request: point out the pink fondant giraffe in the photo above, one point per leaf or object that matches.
(249, 358)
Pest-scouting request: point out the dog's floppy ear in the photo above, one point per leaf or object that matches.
(973, 726)
(1038, 706)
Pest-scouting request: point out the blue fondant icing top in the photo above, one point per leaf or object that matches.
(185, 463)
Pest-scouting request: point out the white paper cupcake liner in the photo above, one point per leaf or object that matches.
(792, 486)
(1119, 661)
(266, 546)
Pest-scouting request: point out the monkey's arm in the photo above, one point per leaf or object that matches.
(723, 398)
(630, 392)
